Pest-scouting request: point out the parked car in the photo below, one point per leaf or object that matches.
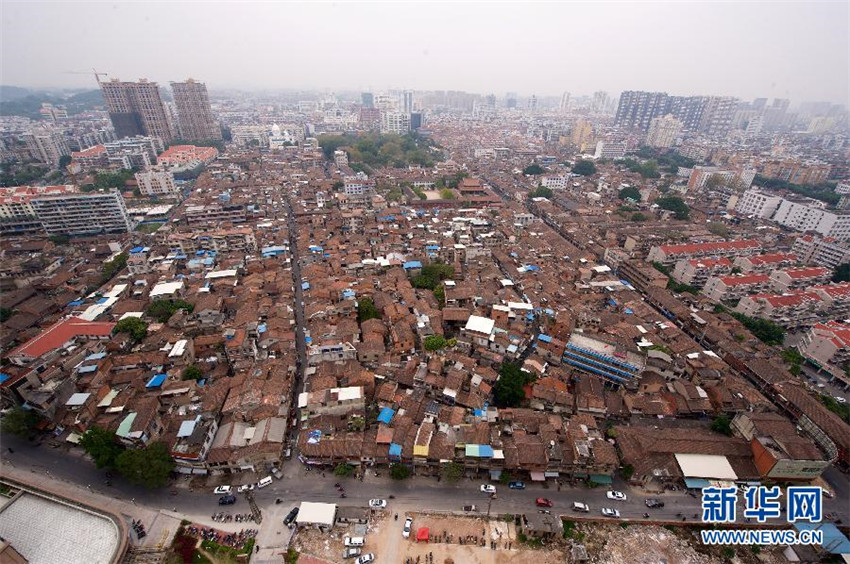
(654, 503)
(290, 517)
(365, 559)
(470, 508)
(277, 473)
(223, 490)
(543, 502)
(408, 524)
(581, 507)
(245, 488)
(610, 513)
(377, 503)
(488, 488)
(267, 481)
(615, 495)
(351, 552)
(227, 500)
(354, 541)
(516, 485)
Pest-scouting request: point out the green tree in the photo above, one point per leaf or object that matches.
(149, 466)
(447, 194)
(366, 310)
(133, 326)
(101, 445)
(399, 471)
(508, 390)
(440, 294)
(765, 330)
(112, 267)
(19, 421)
(6, 313)
(638, 217)
(722, 424)
(627, 472)
(452, 472)
(718, 229)
(434, 342)
(533, 170)
(629, 193)
(344, 470)
(64, 161)
(676, 205)
(584, 168)
(162, 310)
(541, 192)
(193, 372)
(841, 273)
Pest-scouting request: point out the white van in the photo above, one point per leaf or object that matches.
(354, 541)
(264, 482)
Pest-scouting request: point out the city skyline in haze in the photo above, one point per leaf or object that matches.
(799, 51)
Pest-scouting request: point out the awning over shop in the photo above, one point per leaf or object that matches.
(579, 475)
(495, 474)
(423, 534)
(552, 474)
(538, 476)
(696, 483)
(601, 479)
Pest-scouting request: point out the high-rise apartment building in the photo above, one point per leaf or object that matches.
(395, 122)
(663, 132)
(46, 145)
(637, 109)
(565, 102)
(136, 108)
(367, 99)
(688, 110)
(76, 213)
(510, 100)
(156, 181)
(600, 100)
(718, 115)
(407, 101)
(194, 115)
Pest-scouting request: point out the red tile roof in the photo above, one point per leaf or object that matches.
(811, 272)
(788, 300)
(90, 152)
(710, 263)
(745, 280)
(60, 333)
(773, 258)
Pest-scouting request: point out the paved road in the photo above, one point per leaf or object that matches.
(415, 494)
(300, 342)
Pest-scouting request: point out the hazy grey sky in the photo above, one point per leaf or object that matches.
(799, 50)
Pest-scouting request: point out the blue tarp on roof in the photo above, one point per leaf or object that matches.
(696, 483)
(87, 369)
(308, 340)
(479, 451)
(412, 264)
(135, 250)
(395, 450)
(386, 415)
(305, 285)
(432, 247)
(545, 338)
(261, 328)
(628, 311)
(96, 356)
(348, 294)
(156, 381)
(315, 248)
(833, 540)
(102, 301)
(75, 303)
(532, 268)
(4, 377)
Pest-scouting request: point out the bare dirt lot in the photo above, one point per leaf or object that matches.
(445, 531)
